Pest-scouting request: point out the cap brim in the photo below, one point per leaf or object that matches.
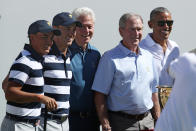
(55, 31)
(72, 22)
(78, 23)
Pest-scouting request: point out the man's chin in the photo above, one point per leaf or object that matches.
(165, 37)
(45, 52)
(69, 43)
(86, 41)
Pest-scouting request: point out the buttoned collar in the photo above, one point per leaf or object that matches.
(34, 54)
(150, 42)
(55, 51)
(77, 47)
(127, 52)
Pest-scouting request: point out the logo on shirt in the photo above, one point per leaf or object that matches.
(147, 69)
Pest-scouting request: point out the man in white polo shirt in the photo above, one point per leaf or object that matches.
(158, 43)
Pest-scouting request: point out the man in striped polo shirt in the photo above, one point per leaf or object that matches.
(24, 92)
(57, 72)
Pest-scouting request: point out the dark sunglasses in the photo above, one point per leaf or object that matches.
(162, 23)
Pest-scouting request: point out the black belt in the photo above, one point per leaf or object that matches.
(14, 118)
(82, 114)
(130, 116)
(60, 118)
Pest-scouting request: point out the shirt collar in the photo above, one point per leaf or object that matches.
(77, 47)
(55, 51)
(127, 52)
(34, 54)
(150, 42)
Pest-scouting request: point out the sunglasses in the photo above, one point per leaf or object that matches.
(162, 23)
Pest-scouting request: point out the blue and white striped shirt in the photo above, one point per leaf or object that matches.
(57, 76)
(27, 71)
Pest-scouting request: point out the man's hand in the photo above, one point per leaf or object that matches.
(106, 127)
(100, 103)
(50, 103)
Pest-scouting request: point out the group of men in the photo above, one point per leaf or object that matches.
(77, 89)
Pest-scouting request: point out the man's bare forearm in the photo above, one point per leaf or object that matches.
(5, 83)
(14, 93)
(156, 107)
(101, 108)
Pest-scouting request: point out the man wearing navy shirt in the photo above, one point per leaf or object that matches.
(84, 61)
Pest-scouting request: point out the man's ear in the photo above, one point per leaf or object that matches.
(121, 31)
(31, 37)
(150, 24)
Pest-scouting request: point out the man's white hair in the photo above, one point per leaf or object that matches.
(83, 11)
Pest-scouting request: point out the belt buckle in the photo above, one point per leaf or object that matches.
(141, 116)
(63, 118)
(84, 115)
(138, 117)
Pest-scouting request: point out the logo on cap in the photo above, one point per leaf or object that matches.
(49, 23)
(70, 15)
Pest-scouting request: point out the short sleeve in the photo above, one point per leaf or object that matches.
(104, 75)
(19, 72)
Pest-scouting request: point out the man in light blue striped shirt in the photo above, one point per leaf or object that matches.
(125, 81)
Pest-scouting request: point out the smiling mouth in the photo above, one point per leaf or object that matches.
(85, 35)
(46, 47)
(165, 31)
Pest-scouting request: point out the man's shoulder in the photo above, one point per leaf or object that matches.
(25, 60)
(147, 42)
(173, 43)
(92, 47)
(146, 52)
(113, 53)
(23, 56)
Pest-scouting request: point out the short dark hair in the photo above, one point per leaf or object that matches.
(126, 16)
(158, 10)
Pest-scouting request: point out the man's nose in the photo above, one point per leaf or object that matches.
(86, 29)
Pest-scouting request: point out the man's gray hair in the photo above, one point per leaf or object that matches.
(83, 11)
(158, 10)
(125, 17)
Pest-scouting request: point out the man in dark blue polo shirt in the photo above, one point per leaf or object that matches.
(84, 61)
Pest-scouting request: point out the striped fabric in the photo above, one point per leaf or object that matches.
(57, 76)
(27, 71)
